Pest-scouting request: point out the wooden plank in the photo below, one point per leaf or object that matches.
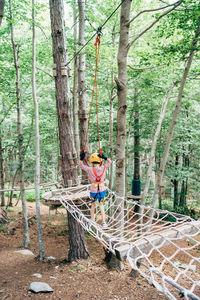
(152, 240)
(130, 196)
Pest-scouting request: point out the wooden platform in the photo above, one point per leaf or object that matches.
(134, 197)
(70, 194)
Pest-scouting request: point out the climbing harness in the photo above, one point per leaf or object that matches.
(98, 182)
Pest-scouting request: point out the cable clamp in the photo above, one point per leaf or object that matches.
(99, 32)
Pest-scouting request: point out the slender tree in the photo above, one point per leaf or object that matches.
(75, 82)
(81, 75)
(176, 183)
(121, 82)
(19, 129)
(154, 144)
(111, 115)
(2, 4)
(112, 96)
(175, 115)
(1, 170)
(37, 139)
(136, 137)
(77, 241)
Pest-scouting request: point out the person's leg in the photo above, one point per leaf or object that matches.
(92, 210)
(102, 212)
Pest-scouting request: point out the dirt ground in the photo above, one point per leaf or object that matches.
(84, 279)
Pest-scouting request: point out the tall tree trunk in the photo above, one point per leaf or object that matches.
(2, 3)
(37, 140)
(136, 138)
(154, 144)
(17, 169)
(127, 147)
(19, 131)
(111, 133)
(81, 76)
(183, 193)
(12, 186)
(77, 242)
(1, 171)
(175, 116)
(175, 183)
(122, 82)
(111, 115)
(75, 84)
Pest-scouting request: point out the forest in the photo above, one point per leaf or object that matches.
(119, 78)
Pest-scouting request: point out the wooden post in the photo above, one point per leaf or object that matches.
(69, 183)
(63, 69)
(60, 161)
(82, 114)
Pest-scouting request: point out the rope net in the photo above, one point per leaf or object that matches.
(164, 247)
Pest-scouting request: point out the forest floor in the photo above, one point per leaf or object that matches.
(83, 279)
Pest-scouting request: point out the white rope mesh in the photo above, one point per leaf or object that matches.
(165, 249)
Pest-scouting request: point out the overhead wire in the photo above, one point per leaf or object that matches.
(96, 32)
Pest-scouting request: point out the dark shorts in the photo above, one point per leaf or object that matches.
(100, 196)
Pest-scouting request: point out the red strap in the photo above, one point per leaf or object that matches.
(95, 174)
(86, 162)
(94, 92)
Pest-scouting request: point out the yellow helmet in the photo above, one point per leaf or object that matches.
(95, 158)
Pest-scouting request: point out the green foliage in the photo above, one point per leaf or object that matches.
(3, 228)
(158, 57)
(30, 196)
(10, 209)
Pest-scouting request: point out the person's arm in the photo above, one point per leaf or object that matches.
(108, 160)
(81, 164)
(83, 167)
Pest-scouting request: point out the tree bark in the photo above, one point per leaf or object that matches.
(1, 171)
(121, 82)
(111, 133)
(127, 144)
(37, 140)
(183, 193)
(19, 130)
(136, 138)
(12, 186)
(81, 76)
(75, 85)
(111, 113)
(175, 183)
(2, 3)
(77, 242)
(154, 144)
(175, 116)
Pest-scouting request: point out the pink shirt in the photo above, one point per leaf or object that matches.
(92, 177)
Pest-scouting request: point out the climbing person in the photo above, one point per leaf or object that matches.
(97, 176)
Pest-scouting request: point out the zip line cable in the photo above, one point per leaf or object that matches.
(96, 33)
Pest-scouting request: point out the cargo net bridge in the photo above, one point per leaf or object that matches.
(162, 246)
